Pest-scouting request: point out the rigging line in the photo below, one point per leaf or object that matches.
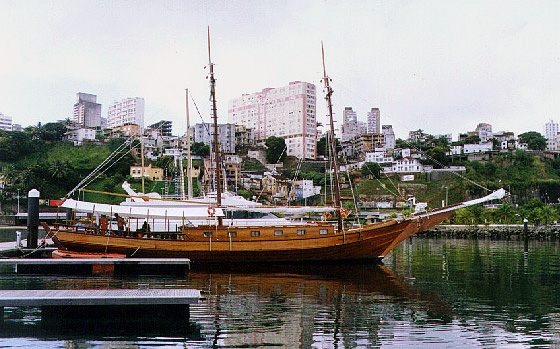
(296, 174)
(122, 155)
(262, 190)
(105, 170)
(443, 166)
(103, 163)
(200, 115)
(394, 186)
(384, 186)
(331, 172)
(397, 122)
(351, 189)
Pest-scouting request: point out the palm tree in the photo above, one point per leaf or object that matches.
(548, 215)
(505, 214)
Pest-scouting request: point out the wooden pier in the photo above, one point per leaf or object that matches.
(115, 304)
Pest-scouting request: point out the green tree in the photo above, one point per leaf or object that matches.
(275, 150)
(474, 139)
(371, 169)
(323, 150)
(52, 132)
(534, 140)
(548, 215)
(201, 149)
(505, 214)
(437, 157)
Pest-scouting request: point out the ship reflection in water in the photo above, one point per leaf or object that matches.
(430, 293)
(328, 305)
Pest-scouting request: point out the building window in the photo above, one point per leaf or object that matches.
(255, 233)
(323, 231)
(207, 234)
(278, 232)
(301, 232)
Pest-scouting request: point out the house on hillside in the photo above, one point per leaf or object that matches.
(153, 173)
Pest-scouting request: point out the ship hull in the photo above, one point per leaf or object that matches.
(320, 242)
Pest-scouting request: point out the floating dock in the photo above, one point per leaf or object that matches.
(128, 304)
(15, 249)
(121, 266)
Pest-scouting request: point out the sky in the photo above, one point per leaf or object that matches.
(439, 66)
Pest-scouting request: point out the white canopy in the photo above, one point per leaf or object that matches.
(285, 209)
(189, 212)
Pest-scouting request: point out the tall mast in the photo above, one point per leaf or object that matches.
(142, 155)
(189, 158)
(332, 143)
(215, 117)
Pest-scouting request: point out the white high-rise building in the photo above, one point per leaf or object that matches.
(87, 112)
(550, 129)
(374, 121)
(5, 122)
(129, 111)
(288, 112)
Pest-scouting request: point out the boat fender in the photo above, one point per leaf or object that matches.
(211, 211)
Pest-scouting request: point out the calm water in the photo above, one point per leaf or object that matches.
(429, 293)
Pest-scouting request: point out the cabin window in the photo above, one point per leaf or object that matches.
(301, 232)
(323, 231)
(278, 232)
(255, 233)
(207, 234)
(232, 234)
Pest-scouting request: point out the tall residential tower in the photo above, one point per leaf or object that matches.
(129, 111)
(87, 112)
(374, 121)
(288, 112)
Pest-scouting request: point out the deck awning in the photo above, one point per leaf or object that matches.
(201, 212)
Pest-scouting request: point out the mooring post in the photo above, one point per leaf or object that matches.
(32, 218)
(525, 226)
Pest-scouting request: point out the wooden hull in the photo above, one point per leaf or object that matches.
(319, 243)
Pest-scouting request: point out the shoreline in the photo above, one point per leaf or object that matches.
(501, 231)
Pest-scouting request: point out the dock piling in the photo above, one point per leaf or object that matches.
(32, 218)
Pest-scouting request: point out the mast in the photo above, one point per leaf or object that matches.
(332, 144)
(215, 117)
(189, 158)
(142, 155)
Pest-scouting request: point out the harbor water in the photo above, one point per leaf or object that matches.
(427, 293)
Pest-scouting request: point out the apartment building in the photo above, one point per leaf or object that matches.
(288, 112)
(87, 112)
(129, 111)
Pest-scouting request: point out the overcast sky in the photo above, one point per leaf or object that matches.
(442, 66)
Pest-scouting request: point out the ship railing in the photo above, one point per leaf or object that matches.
(93, 229)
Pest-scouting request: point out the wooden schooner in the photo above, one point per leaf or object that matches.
(213, 241)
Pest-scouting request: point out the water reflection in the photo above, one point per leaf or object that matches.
(338, 305)
(429, 293)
